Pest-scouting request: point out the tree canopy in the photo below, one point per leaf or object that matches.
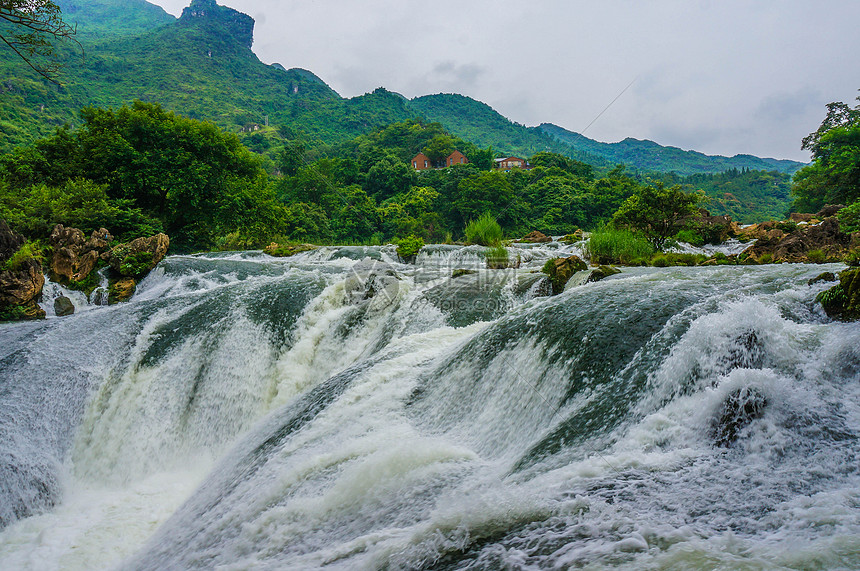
(656, 211)
(834, 175)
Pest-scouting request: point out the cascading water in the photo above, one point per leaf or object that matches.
(341, 409)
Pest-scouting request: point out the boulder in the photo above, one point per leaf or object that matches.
(822, 277)
(63, 306)
(20, 289)
(75, 256)
(462, 272)
(121, 290)
(829, 210)
(741, 407)
(136, 258)
(842, 301)
(21, 286)
(287, 250)
(590, 275)
(560, 271)
(536, 237)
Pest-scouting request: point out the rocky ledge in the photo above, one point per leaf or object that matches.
(21, 278)
(73, 260)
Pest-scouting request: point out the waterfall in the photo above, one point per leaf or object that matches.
(341, 409)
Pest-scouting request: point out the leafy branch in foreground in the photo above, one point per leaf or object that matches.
(29, 27)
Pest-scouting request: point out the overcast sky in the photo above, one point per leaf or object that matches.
(720, 77)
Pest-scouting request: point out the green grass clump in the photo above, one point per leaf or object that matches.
(24, 253)
(497, 257)
(615, 246)
(484, 231)
(816, 257)
(675, 259)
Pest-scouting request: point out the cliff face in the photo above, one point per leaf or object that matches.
(207, 12)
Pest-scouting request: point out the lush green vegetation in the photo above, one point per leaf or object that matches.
(201, 67)
(484, 231)
(748, 196)
(834, 175)
(609, 245)
(656, 212)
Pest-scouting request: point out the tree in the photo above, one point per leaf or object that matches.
(389, 176)
(834, 175)
(656, 212)
(31, 27)
(439, 148)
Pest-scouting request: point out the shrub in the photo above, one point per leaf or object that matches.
(691, 237)
(408, 248)
(484, 231)
(24, 253)
(849, 218)
(659, 261)
(766, 258)
(615, 246)
(816, 256)
(497, 257)
(787, 226)
(136, 264)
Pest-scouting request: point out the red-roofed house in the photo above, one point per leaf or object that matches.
(420, 162)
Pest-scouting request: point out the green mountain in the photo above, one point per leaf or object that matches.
(201, 65)
(482, 125)
(95, 19)
(650, 156)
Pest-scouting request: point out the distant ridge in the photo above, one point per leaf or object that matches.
(650, 156)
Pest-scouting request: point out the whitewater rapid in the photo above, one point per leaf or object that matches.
(340, 409)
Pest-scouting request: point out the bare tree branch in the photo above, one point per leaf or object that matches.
(30, 28)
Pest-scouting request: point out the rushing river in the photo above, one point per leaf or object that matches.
(342, 410)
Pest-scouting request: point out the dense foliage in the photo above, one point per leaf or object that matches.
(834, 175)
(144, 165)
(656, 212)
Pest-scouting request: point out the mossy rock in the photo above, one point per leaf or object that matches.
(560, 270)
(462, 272)
(286, 250)
(842, 301)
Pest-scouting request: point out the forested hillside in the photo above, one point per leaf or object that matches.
(201, 66)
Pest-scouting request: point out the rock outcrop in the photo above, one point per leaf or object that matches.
(20, 283)
(75, 256)
(136, 258)
(560, 270)
(536, 237)
(842, 301)
(131, 262)
(795, 244)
